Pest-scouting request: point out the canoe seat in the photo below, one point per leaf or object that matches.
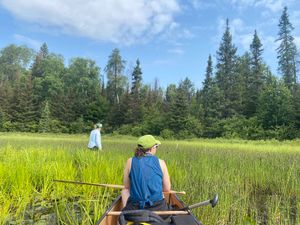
(143, 217)
(183, 220)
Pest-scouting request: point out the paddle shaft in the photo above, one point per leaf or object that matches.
(207, 202)
(118, 213)
(91, 184)
(107, 185)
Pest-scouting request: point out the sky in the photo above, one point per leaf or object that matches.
(171, 38)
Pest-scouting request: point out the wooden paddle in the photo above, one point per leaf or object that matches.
(107, 185)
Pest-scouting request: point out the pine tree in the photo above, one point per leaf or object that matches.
(287, 51)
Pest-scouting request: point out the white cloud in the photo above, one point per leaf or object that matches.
(269, 43)
(242, 35)
(272, 5)
(118, 21)
(202, 4)
(295, 18)
(176, 51)
(35, 44)
(297, 42)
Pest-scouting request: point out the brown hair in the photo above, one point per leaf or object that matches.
(140, 151)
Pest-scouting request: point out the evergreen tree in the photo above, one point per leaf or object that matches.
(45, 121)
(28, 117)
(37, 67)
(207, 86)
(116, 80)
(178, 113)
(244, 68)
(135, 98)
(287, 51)
(275, 105)
(228, 80)
(296, 106)
(255, 81)
(188, 89)
(211, 99)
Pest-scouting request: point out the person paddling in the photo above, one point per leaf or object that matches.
(146, 177)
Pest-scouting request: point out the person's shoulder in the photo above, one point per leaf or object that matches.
(162, 163)
(129, 160)
(161, 160)
(128, 163)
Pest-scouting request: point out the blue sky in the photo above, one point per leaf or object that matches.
(172, 38)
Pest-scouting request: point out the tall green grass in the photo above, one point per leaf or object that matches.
(257, 182)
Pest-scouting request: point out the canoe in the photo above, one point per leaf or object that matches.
(110, 217)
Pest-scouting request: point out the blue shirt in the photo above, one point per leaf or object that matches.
(95, 139)
(145, 180)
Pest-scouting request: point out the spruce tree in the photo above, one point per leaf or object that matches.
(179, 112)
(254, 81)
(275, 105)
(211, 98)
(287, 51)
(135, 97)
(45, 121)
(207, 86)
(227, 78)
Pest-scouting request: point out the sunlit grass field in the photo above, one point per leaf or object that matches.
(258, 182)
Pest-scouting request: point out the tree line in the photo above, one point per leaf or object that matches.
(240, 96)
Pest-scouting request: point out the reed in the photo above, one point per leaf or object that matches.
(258, 182)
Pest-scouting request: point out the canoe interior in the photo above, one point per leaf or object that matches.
(117, 205)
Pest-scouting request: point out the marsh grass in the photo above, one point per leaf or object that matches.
(257, 182)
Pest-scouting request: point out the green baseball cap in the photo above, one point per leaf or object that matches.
(147, 141)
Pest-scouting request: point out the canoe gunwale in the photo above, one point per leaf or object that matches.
(172, 199)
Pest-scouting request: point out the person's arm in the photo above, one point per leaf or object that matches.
(166, 177)
(90, 140)
(126, 181)
(98, 140)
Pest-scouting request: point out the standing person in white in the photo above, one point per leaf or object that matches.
(95, 138)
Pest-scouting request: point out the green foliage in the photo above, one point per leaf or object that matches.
(2, 119)
(14, 60)
(241, 99)
(243, 128)
(227, 78)
(45, 121)
(116, 80)
(287, 51)
(78, 126)
(275, 105)
(167, 134)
